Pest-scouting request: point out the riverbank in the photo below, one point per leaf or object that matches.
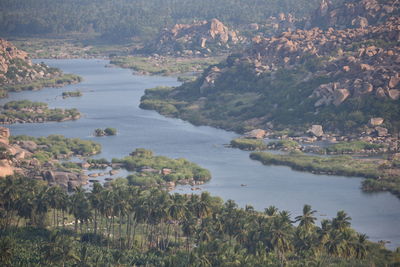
(385, 173)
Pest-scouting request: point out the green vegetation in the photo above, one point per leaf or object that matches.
(72, 94)
(383, 175)
(27, 111)
(130, 226)
(114, 20)
(284, 145)
(248, 144)
(163, 65)
(105, 132)
(60, 81)
(58, 146)
(154, 170)
(353, 147)
(72, 46)
(241, 100)
(338, 165)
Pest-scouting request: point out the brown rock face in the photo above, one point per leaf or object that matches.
(394, 94)
(5, 168)
(375, 121)
(316, 130)
(394, 81)
(340, 96)
(16, 67)
(4, 132)
(256, 134)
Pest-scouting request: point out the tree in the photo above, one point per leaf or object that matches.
(60, 249)
(307, 220)
(341, 222)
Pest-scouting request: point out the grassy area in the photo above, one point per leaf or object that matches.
(284, 145)
(383, 175)
(248, 144)
(353, 147)
(26, 111)
(163, 65)
(63, 80)
(71, 47)
(339, 165)
(154, 170)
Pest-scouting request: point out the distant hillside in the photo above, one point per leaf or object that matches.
(17, 72)
(353, 13)
(119, 19)
(340, 78)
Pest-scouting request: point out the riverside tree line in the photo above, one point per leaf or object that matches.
(132, 226)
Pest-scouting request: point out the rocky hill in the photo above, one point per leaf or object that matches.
(353, 13)
(199, 38)
(17, 72)
(339, 78)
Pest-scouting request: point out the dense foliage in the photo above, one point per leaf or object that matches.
(127, 226)
(118, 19)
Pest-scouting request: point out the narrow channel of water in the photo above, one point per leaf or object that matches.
(110, 99)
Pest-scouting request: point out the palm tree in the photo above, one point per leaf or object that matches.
(79, 207)
(60, 249)
(54, 195)
(307, 220)
(360, 246)
(341, 222)
(271, 211)
(95, 199)
(280, 232)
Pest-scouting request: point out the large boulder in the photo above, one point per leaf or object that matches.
(5, 168)
(375, 121)
(28, 145)
(381, 132)
(4, 132)
(316, 130)
(256, 134)
(66, 180)
(340, 96)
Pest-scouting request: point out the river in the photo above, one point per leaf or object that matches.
(111, 98)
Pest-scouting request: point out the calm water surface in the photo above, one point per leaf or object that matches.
(111, 98)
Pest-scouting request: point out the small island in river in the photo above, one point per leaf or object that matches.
(25, 111)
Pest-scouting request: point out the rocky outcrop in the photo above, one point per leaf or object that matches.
(68, 181)
(198, 38)
(255, 134)
(17, 158)
(16, 67)
(316, 130)
(362, 61)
